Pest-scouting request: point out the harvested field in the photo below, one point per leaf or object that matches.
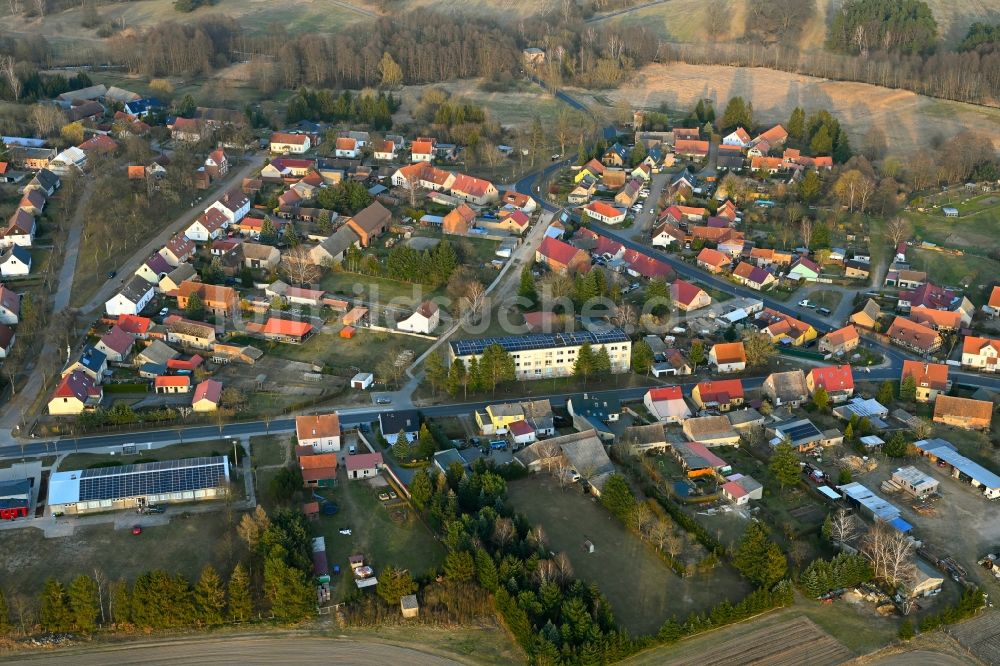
(980, 636)
(793, 642)
(906, 118)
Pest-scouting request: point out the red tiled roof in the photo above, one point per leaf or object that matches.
(291, 139)
(134, 324)
(77, 384)
(975, 345)
(684, 292)
(713, 257)
(172, 380)
(470, 185)
(930, 375)
(730, 352)
(276, 326)
(833, 377)
(913, 334)
(842, 335)
(665, 393)
(210, 390)
(557, 250)
(422, 147)
(315, 426)
(364, 461)
(722, 391)
(346, 143)
(604, 209)
(518, 428)
(994, 301)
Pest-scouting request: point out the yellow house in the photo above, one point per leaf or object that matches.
(496, 418)
(784, 327)
(592, 168)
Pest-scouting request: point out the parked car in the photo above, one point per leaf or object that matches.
(164, 312)
(824, 311)
(806, 303)
(383, 401)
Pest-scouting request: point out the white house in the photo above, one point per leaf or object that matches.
(981, 354)
(234, 205)
(666, 235)
(424, 320)
(728, 357)
(320, 431)
(71, 160)
(282, 142)
(208, 226)
(738, 137)
(740, 489)
(667, 404)
(133, 297)
(15, 261)
(522, 433)
(347, 147)
(422, 151)
(20, 230)
(385, 151)
(605, 213)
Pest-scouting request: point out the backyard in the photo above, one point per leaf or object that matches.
(642, 590)
(364, 351)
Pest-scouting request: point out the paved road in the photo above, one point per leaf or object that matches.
(605, 17)
(238, 650)
(179, 223)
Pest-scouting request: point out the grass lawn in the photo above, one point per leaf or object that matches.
(374, 289)
(184, 546)
(642, 590)
(172, 452)
(363, 351)
(968, 270)
(270, 449)
(398, 539)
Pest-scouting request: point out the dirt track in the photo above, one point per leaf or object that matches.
(240, 650)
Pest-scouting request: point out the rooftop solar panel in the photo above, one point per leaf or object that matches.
(172, 476)
(538, 341)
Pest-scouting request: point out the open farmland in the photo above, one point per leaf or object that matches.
(980, 636)
(642, 590)
(906, 118)
(765, 643)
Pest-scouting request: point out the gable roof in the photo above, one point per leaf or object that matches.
(936, 318)
(994, 301)
(752, 273)
(364, 461)
(372, 218)
(315, 426)
(929, 375)
(665, 393)
(470, 185)
(604, 209)
(118, 340)
(9, 299)
(833, 377)
(77, 384)
(209, 389)
(422, 147)
(730, 352)
(557, 250)
(975, 345)
(913, 334)
(965, 408)
(842, 336)
(786, 386)
(684, 292)
(713, 257)
(290, 139)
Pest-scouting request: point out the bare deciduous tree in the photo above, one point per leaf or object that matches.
(843, 527)
(298, 266)
(503, 532)
(897, 230)
(9, 71)
(806, 230)
(890, 553)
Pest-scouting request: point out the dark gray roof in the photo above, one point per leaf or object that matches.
(407, 420)
(516, 343)
(135, 289)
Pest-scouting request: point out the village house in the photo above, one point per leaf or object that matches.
(858, 270)
(963, 412)
(20, 230)
(939, 320)
(284, 143)
(370, 223)
(697, 461)
(981, 354)
(422, 151)
(116, 344)
(133, 297)
(605, 213)
(754, 277)
(713, 261)
(711, 431)
(75, 393)
(786, 388)
(208, 226)
(178, 250)
(423, 320)
(728, 357)
(836, 380)
(171, 282)
(561, 257)
(784, 329)
(737, 137)
(262, 257)
(364, 465)
(172, 384)
(347, 147)
(476, 190)
(458, 221)
(722, 395)
(615, 156)
(7, 340)
(154, 269)
(32, 202)
(688, 297)
(286, 331)
(868, 316)
(992, 307)
(190, 334)
(666, 235)
(217, 300)
(384, 151)
(905, 279)
(207, 396)
(691, 148)
(740, 489)
(15, 261)
(913, 336)
(667, 404)
(804, 269)
(334, 248)
(931, 379)
(321, 432)
(515, 222)
(842, 341)
(10, 305)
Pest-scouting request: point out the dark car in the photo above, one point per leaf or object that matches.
(112, 274)
(824, 311)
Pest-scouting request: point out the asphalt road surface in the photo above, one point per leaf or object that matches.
(238, 650)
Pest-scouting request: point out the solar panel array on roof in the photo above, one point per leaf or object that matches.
(171, 476)
(799, 431)
(538, 341)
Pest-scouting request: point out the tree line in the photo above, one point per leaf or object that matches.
(374, 109)
(274, 582)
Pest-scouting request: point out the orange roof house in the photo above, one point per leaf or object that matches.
(914, 336)
(216, 299)
(459, 220)
(841, 341)
(318, 469)
(836, 380)
(561, 257)
(721, 394)
(687, 296)
(939, 320)
(728, 357)
(931, 379)
(172, 384)
(713, 260)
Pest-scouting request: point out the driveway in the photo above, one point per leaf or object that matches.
(642, 227)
